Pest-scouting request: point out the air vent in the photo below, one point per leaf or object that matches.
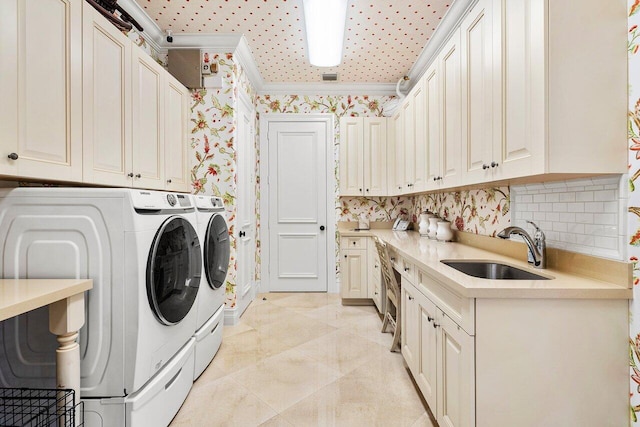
(330, 77)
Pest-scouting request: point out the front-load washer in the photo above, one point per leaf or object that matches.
(214, 235)
(142, 251)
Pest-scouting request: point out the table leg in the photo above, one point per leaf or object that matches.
(66, 317)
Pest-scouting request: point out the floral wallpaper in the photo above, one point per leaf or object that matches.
(485, 211)
(374, 208)
(633, 216)
(214, 162)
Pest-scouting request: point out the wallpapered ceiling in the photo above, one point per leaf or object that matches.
(633, 218)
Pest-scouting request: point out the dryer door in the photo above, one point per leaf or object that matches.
(216, 251)
(174, 269)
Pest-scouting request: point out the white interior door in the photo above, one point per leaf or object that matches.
(246, 218)
(297, 206)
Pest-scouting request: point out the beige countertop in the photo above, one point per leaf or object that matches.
(427, 254)
(18, 296)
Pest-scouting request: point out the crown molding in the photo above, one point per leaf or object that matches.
(449, 23)
(328, 88)
(152, 34)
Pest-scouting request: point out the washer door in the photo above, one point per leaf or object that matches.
(216, 251)
(174, 269)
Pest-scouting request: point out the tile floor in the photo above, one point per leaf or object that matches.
(304, 360)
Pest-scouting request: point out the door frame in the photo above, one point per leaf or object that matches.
(329, 121)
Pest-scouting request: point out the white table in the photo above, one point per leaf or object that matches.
(65, 298)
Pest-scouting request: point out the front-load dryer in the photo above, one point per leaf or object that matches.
(142, 251)
(214, 235)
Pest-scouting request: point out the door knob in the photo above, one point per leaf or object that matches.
(13, 156)
(242, 234)
(322, 228)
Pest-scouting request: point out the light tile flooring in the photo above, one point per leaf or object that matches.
(304, 360)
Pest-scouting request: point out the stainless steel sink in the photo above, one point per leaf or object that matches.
(492, 270)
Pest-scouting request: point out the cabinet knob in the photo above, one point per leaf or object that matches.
(242, 234)
(429, 319)
(345, 257)
(399, 187)
(494, 164)
(435, 178)
(393, 259)
(435, 325)
(410, 297)
(354, 243)
(375, 293)
(485, 166)
(130, 174)
(375, 266)
(406, 269)
(168, 181)
(409, 185)
(367, 190)
(138, 175)
(13, 156)
(360, 190)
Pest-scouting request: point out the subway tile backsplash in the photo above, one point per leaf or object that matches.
(583, 215)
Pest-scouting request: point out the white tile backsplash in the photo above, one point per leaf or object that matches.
(583, 215)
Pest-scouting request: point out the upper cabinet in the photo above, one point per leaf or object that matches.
(363, 151)
(107, 143)
(135, 114)
(82, 103)
(41, 89)
(544, 89)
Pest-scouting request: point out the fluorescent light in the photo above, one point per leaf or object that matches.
(325, 22)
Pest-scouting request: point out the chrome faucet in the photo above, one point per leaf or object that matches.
(537, 245)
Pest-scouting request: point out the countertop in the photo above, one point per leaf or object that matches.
(427, 254)
(18, 296)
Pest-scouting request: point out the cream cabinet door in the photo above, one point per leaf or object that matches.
(106, 69)
(456, 374)
(148, 94)
(351, 159)
(41, 89)
(408, 143)
(451, 110)
(353, 273)
(398, 153)
(176, 142)
(433, 132)
(375, 156)
(420, 160)
(426, 365)
(409, 325)
(481, 95)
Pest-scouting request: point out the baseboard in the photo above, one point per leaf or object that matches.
(231, 316)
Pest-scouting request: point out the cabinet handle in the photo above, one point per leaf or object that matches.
(130, 174)
(13, 156)
(410, 297)
(242, 234)
(393, 259)
(409, 185)
(494, 164)
(435, 325)
(375, 266)
(485, 166)
(429, 319)
(406, 269)
(138, 175)
(168, 181)
(375, 293)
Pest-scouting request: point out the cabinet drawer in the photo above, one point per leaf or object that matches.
(460, 309)
(406, 269)
(353, 243)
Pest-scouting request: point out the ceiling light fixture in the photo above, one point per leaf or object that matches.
(325, 21)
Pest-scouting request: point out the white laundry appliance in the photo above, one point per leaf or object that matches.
(142, 252)
(214, 235)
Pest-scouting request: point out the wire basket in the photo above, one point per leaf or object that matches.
(30, 407)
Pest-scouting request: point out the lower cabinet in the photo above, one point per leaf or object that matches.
(440, 356)
(486, 362)
(360, 272)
